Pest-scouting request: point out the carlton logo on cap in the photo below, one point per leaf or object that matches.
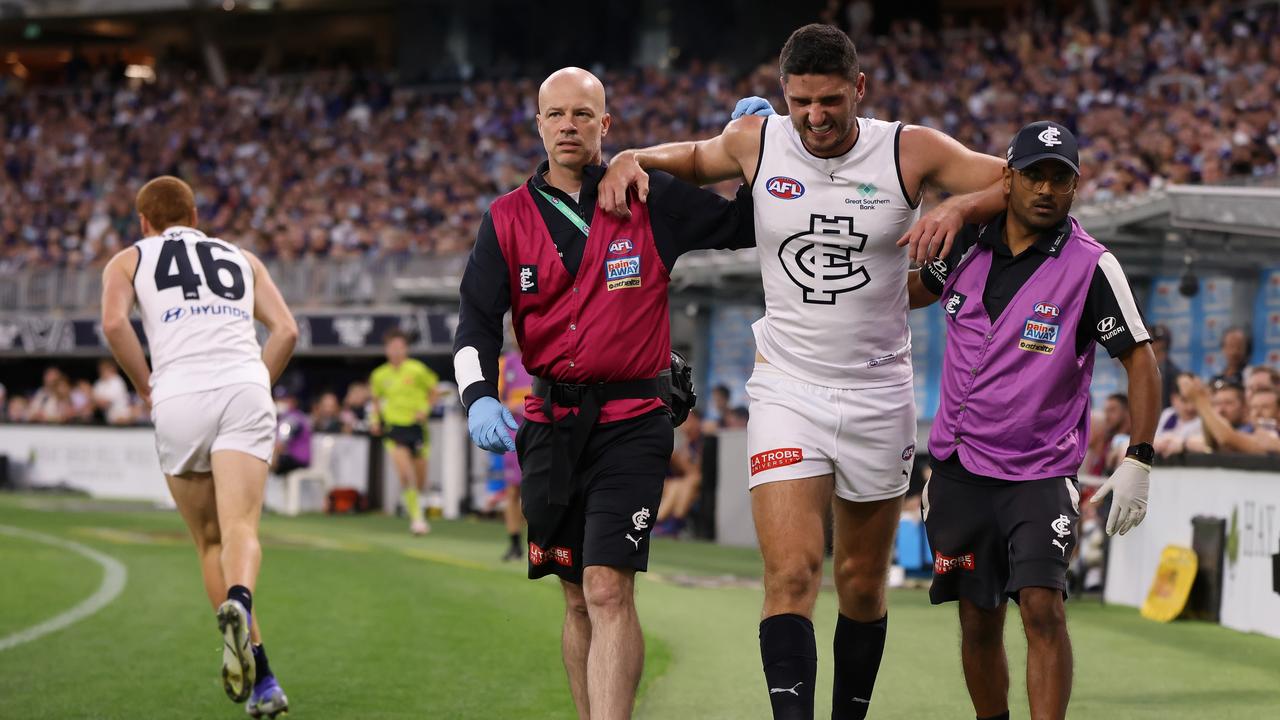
(1043, 140)
(1049, 136)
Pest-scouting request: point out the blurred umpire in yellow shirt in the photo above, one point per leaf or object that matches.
(404, 390)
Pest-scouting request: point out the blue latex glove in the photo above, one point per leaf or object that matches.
(488, 422)
(752, 106)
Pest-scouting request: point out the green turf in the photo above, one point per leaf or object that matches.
(365, 622)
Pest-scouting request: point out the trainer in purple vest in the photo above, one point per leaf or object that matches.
(1014, 394)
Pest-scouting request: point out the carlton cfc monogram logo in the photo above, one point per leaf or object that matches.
(820, 259)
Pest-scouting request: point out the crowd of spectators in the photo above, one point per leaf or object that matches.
(1235, 411)
(344, 164)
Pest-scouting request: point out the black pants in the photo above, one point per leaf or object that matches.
(992, 537)
(615, 491)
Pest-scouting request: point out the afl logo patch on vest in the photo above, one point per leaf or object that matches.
(784, 188)
(1047, 310)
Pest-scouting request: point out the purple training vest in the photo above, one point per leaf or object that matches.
(1015, 396)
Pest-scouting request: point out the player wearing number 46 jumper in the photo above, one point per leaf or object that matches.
(832, 404)
(209, 385)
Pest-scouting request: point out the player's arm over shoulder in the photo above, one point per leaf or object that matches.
(733, 153)
(929, 157)
(924, 286)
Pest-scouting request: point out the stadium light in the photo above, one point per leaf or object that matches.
(144, 73)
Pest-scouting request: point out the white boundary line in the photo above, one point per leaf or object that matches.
(114, 576)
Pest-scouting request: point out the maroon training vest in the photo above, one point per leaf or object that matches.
(607, 324)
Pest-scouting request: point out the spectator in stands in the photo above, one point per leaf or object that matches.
(326, 416)
(82, 407)
(1169, 372)
(1260, 377)
(355, 407)
(684, 478)
(1224, 418)
(52, 402)
(1109, 436)
(17, 410)
(1236, 349)
(1177, 424)
(737, 417)
(111, 396)
(1264, 409)
(341, 165)
(720, 405)
(293, 434)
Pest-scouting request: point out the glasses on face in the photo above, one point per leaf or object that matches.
(1061, 182)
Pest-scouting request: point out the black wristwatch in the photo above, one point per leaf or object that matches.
(1142, 452)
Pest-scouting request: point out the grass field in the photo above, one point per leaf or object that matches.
(364, 622)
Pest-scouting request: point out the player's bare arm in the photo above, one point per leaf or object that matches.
(270, 309)
(975, 181)
(117, 301)
(731, 154)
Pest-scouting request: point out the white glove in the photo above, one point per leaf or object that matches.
(1131, 482)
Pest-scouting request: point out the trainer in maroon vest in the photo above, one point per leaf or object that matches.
(1028, 297)
(587, 293)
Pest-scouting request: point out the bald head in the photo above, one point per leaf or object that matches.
(572, 119)
(571, 82)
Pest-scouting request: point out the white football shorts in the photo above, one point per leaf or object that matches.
(192, 426)
(865, 437)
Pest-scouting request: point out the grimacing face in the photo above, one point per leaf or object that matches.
(824, 110)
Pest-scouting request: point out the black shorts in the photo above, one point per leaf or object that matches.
(617, 485)
(991, 538)
(409, 436)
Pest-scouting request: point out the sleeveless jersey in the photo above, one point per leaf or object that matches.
(195, 294)
(835, 280)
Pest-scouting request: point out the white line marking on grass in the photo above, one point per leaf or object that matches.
(114, 576)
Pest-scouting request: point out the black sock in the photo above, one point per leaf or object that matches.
(1002, 716)
(790, 656)
(263, 668)
(858, 649)
(515, 540)
(242, 595)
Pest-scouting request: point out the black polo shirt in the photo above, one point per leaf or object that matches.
(1109, 292)
(683, 217)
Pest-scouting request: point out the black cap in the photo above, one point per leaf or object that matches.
(1043, 140)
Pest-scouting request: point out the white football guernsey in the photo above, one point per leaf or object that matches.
(835, 280)
(195, 294)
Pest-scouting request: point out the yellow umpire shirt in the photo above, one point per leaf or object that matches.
(403, 393)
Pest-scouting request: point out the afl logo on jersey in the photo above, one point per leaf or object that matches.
(784, 188)
(1048, 310)
(620, 247)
